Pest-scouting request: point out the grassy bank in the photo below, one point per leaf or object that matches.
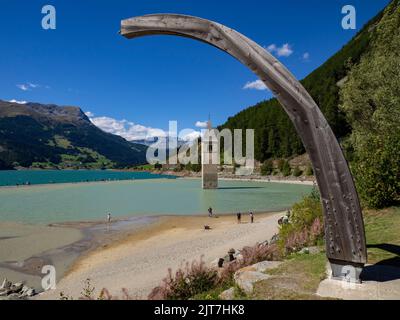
(298, 277)
(383, 237)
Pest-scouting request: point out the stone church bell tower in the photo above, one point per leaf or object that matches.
(210, 158)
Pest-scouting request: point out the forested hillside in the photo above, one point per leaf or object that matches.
(358, 90)
(275, 135)
(370, 99)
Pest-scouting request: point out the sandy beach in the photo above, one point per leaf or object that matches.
(139, 261)
(26, 248)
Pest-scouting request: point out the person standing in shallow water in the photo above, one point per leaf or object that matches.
(251, 217)
(210, 213)
(109, 218)
(239, 217)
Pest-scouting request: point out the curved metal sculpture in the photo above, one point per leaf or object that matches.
(344, 226)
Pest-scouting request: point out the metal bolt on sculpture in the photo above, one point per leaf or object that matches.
(343, 222)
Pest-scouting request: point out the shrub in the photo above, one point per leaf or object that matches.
(194, 167)
(227, 273)
(179, 168)
(316, 230)
(309, 171)
(267, 168)
(297, 172)
(106, 295)
(305, 227)
(295, 241)
(286, 170)
(88, 293)
(281, 163)
(157, 166)
(258, 253)
(195, 278)
(88, 290)
(250, 255)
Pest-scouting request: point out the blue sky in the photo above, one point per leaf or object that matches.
(151, 80)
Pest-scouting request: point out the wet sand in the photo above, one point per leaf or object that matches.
(26, 248)
(22, 249)
(138, 260)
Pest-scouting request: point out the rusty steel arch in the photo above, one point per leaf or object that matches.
(344, 226)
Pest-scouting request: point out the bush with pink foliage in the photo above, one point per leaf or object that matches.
(305, 227)
(197, 278)
(186, 282)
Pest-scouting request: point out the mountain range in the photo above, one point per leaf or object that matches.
(51, 136)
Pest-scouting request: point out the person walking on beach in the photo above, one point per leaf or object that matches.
(109, 217)
(210, 213)
(252, 217)
(239, 217)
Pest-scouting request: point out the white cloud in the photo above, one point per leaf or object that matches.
(189, 135)
(33, 85)
(126, 129)
(23, 87)
(29, 86)
(284, 51)
(306, 56)
(271, 48)
(18, 102)
(201, 124)
(133, 132)
(255, 85)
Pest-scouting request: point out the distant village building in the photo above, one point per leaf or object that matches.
(210, 158)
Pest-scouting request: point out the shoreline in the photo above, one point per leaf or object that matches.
(153, 248)
(257, 179)
(87, 183)
(168, 175)
(311, 180)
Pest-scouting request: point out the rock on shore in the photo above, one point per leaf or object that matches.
(15, 291)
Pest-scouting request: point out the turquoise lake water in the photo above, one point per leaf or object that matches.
(23, 177)
(145, 197)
